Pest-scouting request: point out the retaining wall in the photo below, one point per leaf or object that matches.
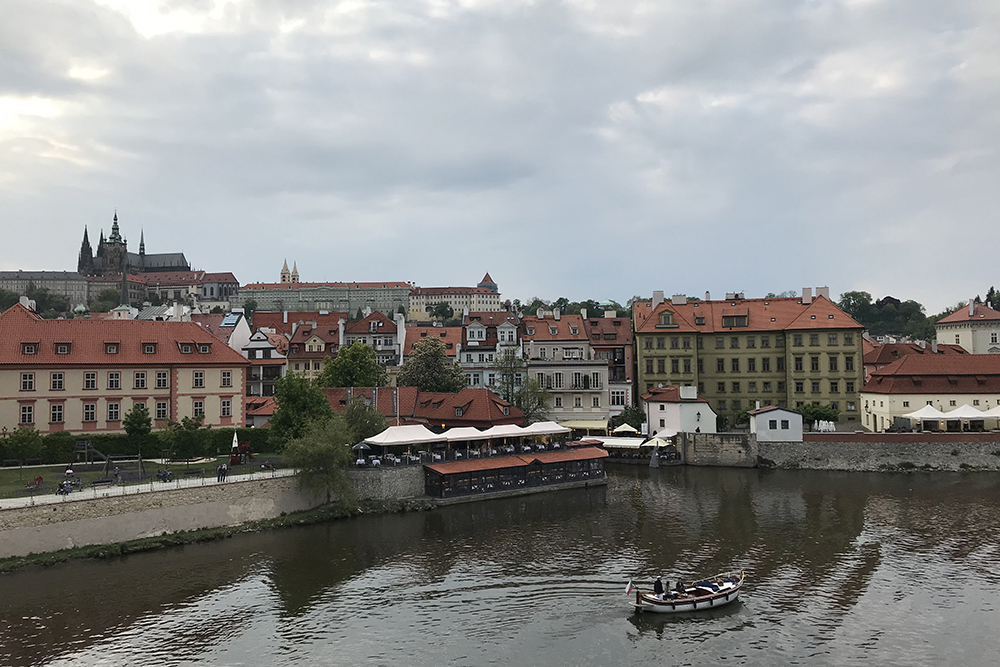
(387, 483)
(733, 450)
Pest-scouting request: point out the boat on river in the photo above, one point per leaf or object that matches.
(702, 594)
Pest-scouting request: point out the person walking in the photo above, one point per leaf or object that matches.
(218, 473)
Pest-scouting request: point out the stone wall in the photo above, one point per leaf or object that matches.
(734, 450)
(387, 483)
(114, 519)
(885, 451)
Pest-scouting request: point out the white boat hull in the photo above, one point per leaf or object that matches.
(696, 599)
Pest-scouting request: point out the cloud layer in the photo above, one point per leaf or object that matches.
(577, 148)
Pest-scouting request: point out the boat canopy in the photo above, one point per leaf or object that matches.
(414, 434)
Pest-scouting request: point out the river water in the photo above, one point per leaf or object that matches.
(843, 568)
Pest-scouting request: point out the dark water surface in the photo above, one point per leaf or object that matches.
(844, 568)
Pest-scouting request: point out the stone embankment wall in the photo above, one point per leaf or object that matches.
(733, 450)
(51, 527)
(885, 452)
(387, 483)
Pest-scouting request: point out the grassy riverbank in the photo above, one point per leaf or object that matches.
(318, 515)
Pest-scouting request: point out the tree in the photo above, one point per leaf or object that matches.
(443, 311)
(321, 454)
(184, 438)
(812, 412)
(299, 402)
(354, 366)
(105, 300)
(429, 368)
(631, 415)
(993, 298)
(533, 401)
(137, 424)
(509, 366)
(363, 420)
(7, 299)
(47, 304)
(23, 443)
(249, 308)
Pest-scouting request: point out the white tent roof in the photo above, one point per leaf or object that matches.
(665, 433)
(992, 413)
(964, 412)
(545, 428)
(465, 433)
(404, 435)
(625, 428)
(505, 431)
(926, 412)
(657, 442)
(620, 443)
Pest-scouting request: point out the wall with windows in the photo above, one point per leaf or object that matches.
(880, 410)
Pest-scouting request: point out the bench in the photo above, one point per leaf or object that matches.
(101, 482)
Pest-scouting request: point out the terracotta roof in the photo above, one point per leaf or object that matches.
(778, 314)
(491, 319)
(276, 319)
(938, 374)
(450, 336)
(260, 406)
(982, 312)
(477, 405)
(770, 408)
(543, 328)
(88, 339)
(888, 353)
(173, 277)
(606, 325)
(502, 462)
(669, 394)
(279, 341)
(224, 277)
(440, 291)
(329, 335)
(212, 322)
(117, 280)
(386, 325)
(338, 399)
(289, 286)
(486, 278)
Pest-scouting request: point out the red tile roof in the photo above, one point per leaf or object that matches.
(938, 374)
(450, 336)
(478, 406)
(606, 325)
(361, 326)
(212, 322)
(338, 399)
(778, 314)
(499, 463)
(441, 291)
(173, 278)
(268, 319)
(88, 338)
(889, 352)
(289, 286)
(563, 326)
(491, 319)
(224, 277)
(260, 406)
(669, 394)
(982, 312)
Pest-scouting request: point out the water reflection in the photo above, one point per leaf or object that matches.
(838, 564)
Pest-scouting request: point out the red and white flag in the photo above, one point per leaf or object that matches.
(629, 588)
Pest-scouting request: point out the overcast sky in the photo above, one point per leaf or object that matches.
(585, 148)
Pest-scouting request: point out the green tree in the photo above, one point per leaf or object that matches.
(49, 305)
(812, 412)
(509, 366)
(363, 420)
(7, 299)
(354, 366)
(249, 308)
(299, 402)
(321, 453)
(856, 304)
(185, 439)
(105, 300)
(137, 424)
(533, 401)
(631, 415)
(429, 368)
(443, 311)
(23, 443)
(993, 298)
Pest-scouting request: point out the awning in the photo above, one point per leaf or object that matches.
(504, 431)
(620, 443)
(925, 413)
(992, 413)
(625, 428)
(964, 412)
(413, 434)
(665, 433)
(586, 424)
(545, 428)
(464, 433)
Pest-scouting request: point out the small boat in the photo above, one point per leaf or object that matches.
(703, 594)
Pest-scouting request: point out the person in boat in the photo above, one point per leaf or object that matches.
(658, 588)
(680, 587)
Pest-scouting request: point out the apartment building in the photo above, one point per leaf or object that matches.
(738, 352)
(611, 338)
(85, 375)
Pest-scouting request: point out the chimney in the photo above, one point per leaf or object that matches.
(341, 327)
(708, 295)
(583, 313)
(823, 291)
(610, 314)
(27, 303)
(540, 313)
(757, 405)
(934, 346)
(807, 295)
(657, 298)
(972, 307)
(555, 314)
(284, 317)
(678, 300)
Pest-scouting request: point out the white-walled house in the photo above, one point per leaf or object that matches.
(975, 327)
(774, 424)
(679, 409)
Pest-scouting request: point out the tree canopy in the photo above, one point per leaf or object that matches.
(443, 311)
(354, 366)
(363, 420)
(298, 402)
(812, 412)
(321, 453)
(138, 424)
(888, 315)
(631, 415)
(105, 300)
(429, 368)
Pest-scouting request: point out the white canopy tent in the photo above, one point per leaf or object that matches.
(926, 413)
(963, 412)
(992, 413)
(665, 433)
(657, 442)
(505, 431)
(545, 428)
(465, 433)
(416, 434)
(625, 428)
(620, 443)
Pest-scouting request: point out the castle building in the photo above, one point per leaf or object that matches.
(112, 257)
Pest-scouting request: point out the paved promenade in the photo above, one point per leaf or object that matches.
(89, 493)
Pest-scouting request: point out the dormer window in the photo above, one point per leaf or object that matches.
(458, 412)
(699, 320)
(204, 349)
(149, 348)
(506, 409)
(111, 348)
(62, 348)
(667, 318)
(29, 348)
(185, 349)
(553, 331)
(531, 331)
(574, 331)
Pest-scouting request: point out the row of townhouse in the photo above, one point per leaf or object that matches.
(85, 375)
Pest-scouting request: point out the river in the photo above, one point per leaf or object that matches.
(843, 568)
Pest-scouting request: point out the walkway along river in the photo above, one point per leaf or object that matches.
(901, 569)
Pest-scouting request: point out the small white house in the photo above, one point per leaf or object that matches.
(678, 409)
(774, 424)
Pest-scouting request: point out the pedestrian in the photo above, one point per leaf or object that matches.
(117, 475)
(225, 471)
(218, 473)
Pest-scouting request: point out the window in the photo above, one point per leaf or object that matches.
(815, 386)
(752, 387)
(779, 340)
(734, 342)
(648, 342)
(161, 379)
(835, 405)
(780, 364)
(558, 379)
(56, 413)
(204, 349)
(596, 401)
(161, 409)
(699, 343)
(765, 341)
(111, 348)
(149, 348)
(558, 401)
(721, 387)
(649, 365)
(799, 386)
(736, 404)
(798, 363)
(617, 397)
(784, 424)
(848, 339)
(814, 339)
(951, 403)
(660, 342)
(765, 364)
(814, 363)
(720, 343)
(90, 412)
(687, 365)
(833, 363)
(140, 380)
(851, 407)
(831, 339)
(720, 365)
(751, 341)
(458, 411)
(675, 365)
(27, 382)
(660, 365)
(975, 401)
(662, 423)
(686, 342)
(198, 379)
(752, 365)
(675, 342)
(701, 366)
(766, 388)
(848, 363)
(27, 414)
(734, 363)
(834, 387)
(198, 408)
(796, 340)
(186, 349)
(315, 366)
(662, 407)
(906, 404)
(773, 424)
(722, 405)
(29, 348)
(114, 412)
(114, 380)
(781, 387)
(63, 348)
(595, 380)
(736, 387)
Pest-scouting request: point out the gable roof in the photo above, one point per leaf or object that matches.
(890, 352)
(563, 327)
(669, 394)
(778, 314)
(981, 313)
(450, 336)
(285, 321)
(477, 405)
(938, 374)
(385, 325)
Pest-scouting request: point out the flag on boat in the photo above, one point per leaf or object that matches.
(629, 588)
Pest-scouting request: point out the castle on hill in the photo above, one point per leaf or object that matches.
(112, 257)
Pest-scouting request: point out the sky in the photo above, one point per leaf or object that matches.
(587, 149)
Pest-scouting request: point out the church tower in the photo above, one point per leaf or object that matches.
(286, 276)
(115, 259)
(295, 272)
(85, 264)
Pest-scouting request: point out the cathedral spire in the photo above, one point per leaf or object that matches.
(142, 243)
(116, 236)
(295, 272)
(85, 263)
(286, 276)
